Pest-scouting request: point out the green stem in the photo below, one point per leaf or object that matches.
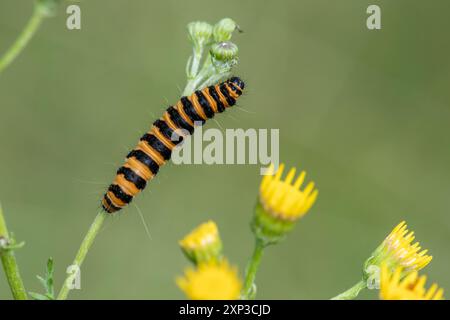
(194, 84)
(82, 252)
(206, 76)
(195, 62)
(248, 291)
(10, 264)
(351, 293)
(23, 39)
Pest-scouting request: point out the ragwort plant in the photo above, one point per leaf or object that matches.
(281, 202)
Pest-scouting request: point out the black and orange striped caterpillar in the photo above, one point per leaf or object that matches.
(155, 147)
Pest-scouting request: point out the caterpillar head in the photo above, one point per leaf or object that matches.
(237, 82)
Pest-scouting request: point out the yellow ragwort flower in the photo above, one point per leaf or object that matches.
(203, 235)
(211, 281)
(397, 250)
(411, 287)
(285, 199)
(281, 203)
(203, 243)
(398, 245)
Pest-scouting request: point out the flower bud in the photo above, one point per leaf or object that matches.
(224, 56)
(223, 30)
(199, 33)
(203, 244)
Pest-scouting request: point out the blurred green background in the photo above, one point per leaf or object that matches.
(366, 113)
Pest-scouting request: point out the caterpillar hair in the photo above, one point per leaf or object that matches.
(155, 147)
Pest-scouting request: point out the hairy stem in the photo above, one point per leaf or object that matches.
(82, 252)
(195, 84)
(351, 293)
(195, 62)
(10, 264)
(22, 40)
(248, 292)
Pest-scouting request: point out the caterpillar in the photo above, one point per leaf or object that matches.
(155, 147)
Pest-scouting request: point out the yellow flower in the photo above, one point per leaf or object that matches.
(211, 281)
(203, 243)
(285, 199)
(411, 287)
(397, 250)
(203, 235)
(399, 245)
(281, 203)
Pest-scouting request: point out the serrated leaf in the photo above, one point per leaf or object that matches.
(47, 283)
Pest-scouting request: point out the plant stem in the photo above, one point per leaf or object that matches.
(10, 264)
(194, 84)
(351, 293)
(82, 252)
(23, 39)
(195, 62)
(252, 268)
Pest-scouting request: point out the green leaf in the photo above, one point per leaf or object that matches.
(49, 277)
(38, 296)
(47, 283)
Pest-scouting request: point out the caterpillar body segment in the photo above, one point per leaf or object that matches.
(155, 147)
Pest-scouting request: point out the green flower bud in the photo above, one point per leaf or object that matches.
(224, 56)
(223, 30)
(199, 33)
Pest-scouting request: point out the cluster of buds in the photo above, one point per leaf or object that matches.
(221, 54)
